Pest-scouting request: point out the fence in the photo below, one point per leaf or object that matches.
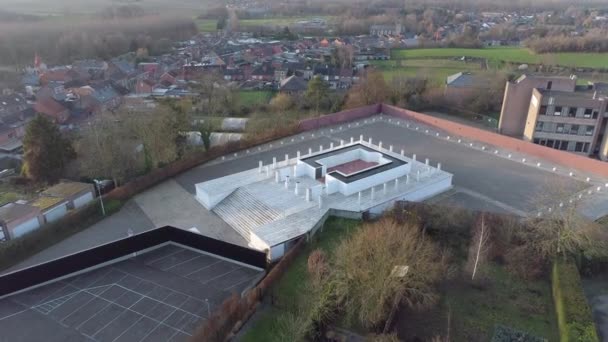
(235, 311)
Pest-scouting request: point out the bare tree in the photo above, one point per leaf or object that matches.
(479, 247)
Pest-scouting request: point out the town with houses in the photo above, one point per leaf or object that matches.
(413, 178)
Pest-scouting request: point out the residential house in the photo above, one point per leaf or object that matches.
(144, 86)
(264, 72)
(124, 73)
(75, 194)
(386, 30)
(106, 95)
(17, 219)
(293, 85)
(53, 109)
(234, 74)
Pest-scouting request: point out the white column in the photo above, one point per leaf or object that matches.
(267, 171)
(297, 189)
(309, 151)
(320, 201)
(361, 138)
(341, 142)
(260, 166)
(414, 157)
(439, 166)
(352, 140)
(286, 158)
(308, 193)
(277, 177)
(287, 182)
(380, 144)
(274, 162)
(426, 161)
(370, 141)
(298, 154)
(295, 169)
(331, 145)
(320, 148)
(390, 148)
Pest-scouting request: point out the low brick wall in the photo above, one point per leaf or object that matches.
(559, 157)
(339, 117)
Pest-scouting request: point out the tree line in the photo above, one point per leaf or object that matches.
(595, 42)
(62, 43)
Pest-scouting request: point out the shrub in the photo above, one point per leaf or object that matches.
(574, 316)
(317, 266)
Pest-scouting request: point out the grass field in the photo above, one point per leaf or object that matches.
(251, 98)
(435, 70)
(206, 25)
(495, 55)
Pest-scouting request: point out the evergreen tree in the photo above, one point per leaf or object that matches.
(316, 93)
(46, 151)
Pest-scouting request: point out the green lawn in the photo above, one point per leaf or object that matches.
(436, 70)
(509, 300)
(206, 25)
(509, 54)
(254, 97)
(295, 281)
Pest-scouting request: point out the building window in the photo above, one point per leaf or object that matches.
(536, 140)
(543, 110)
(564, 146)
(586, 148)
(588, 112)
(589, 130)
(579, 147)
(543, 142)
(559, 128)
(549, 85)
(595, 114)
(550, 143)
(539, 126)
(558, 111)
(574, 130)
(572, 112)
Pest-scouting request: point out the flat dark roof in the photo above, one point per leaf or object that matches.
(312, 161)
(159, 295)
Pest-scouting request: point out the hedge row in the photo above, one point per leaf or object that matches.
(507, 334)
(17, 250)
(235, 310)
(574, 316)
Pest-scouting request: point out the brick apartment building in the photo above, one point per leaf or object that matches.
(555, 112)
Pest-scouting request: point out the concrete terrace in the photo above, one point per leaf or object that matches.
(274, 213)
(485, 178)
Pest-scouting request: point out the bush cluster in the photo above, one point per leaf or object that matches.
(573, 312)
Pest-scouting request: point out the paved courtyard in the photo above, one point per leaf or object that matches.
(482, 180)
(161, 295)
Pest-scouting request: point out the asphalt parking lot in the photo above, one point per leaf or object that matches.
(482, 181)
(161, 295)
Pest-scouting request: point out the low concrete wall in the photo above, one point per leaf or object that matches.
(559, 157)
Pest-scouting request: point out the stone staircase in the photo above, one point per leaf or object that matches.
(243, 212)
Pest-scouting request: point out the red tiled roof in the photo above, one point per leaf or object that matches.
(48, 106)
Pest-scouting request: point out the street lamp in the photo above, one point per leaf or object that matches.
(103, 209)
